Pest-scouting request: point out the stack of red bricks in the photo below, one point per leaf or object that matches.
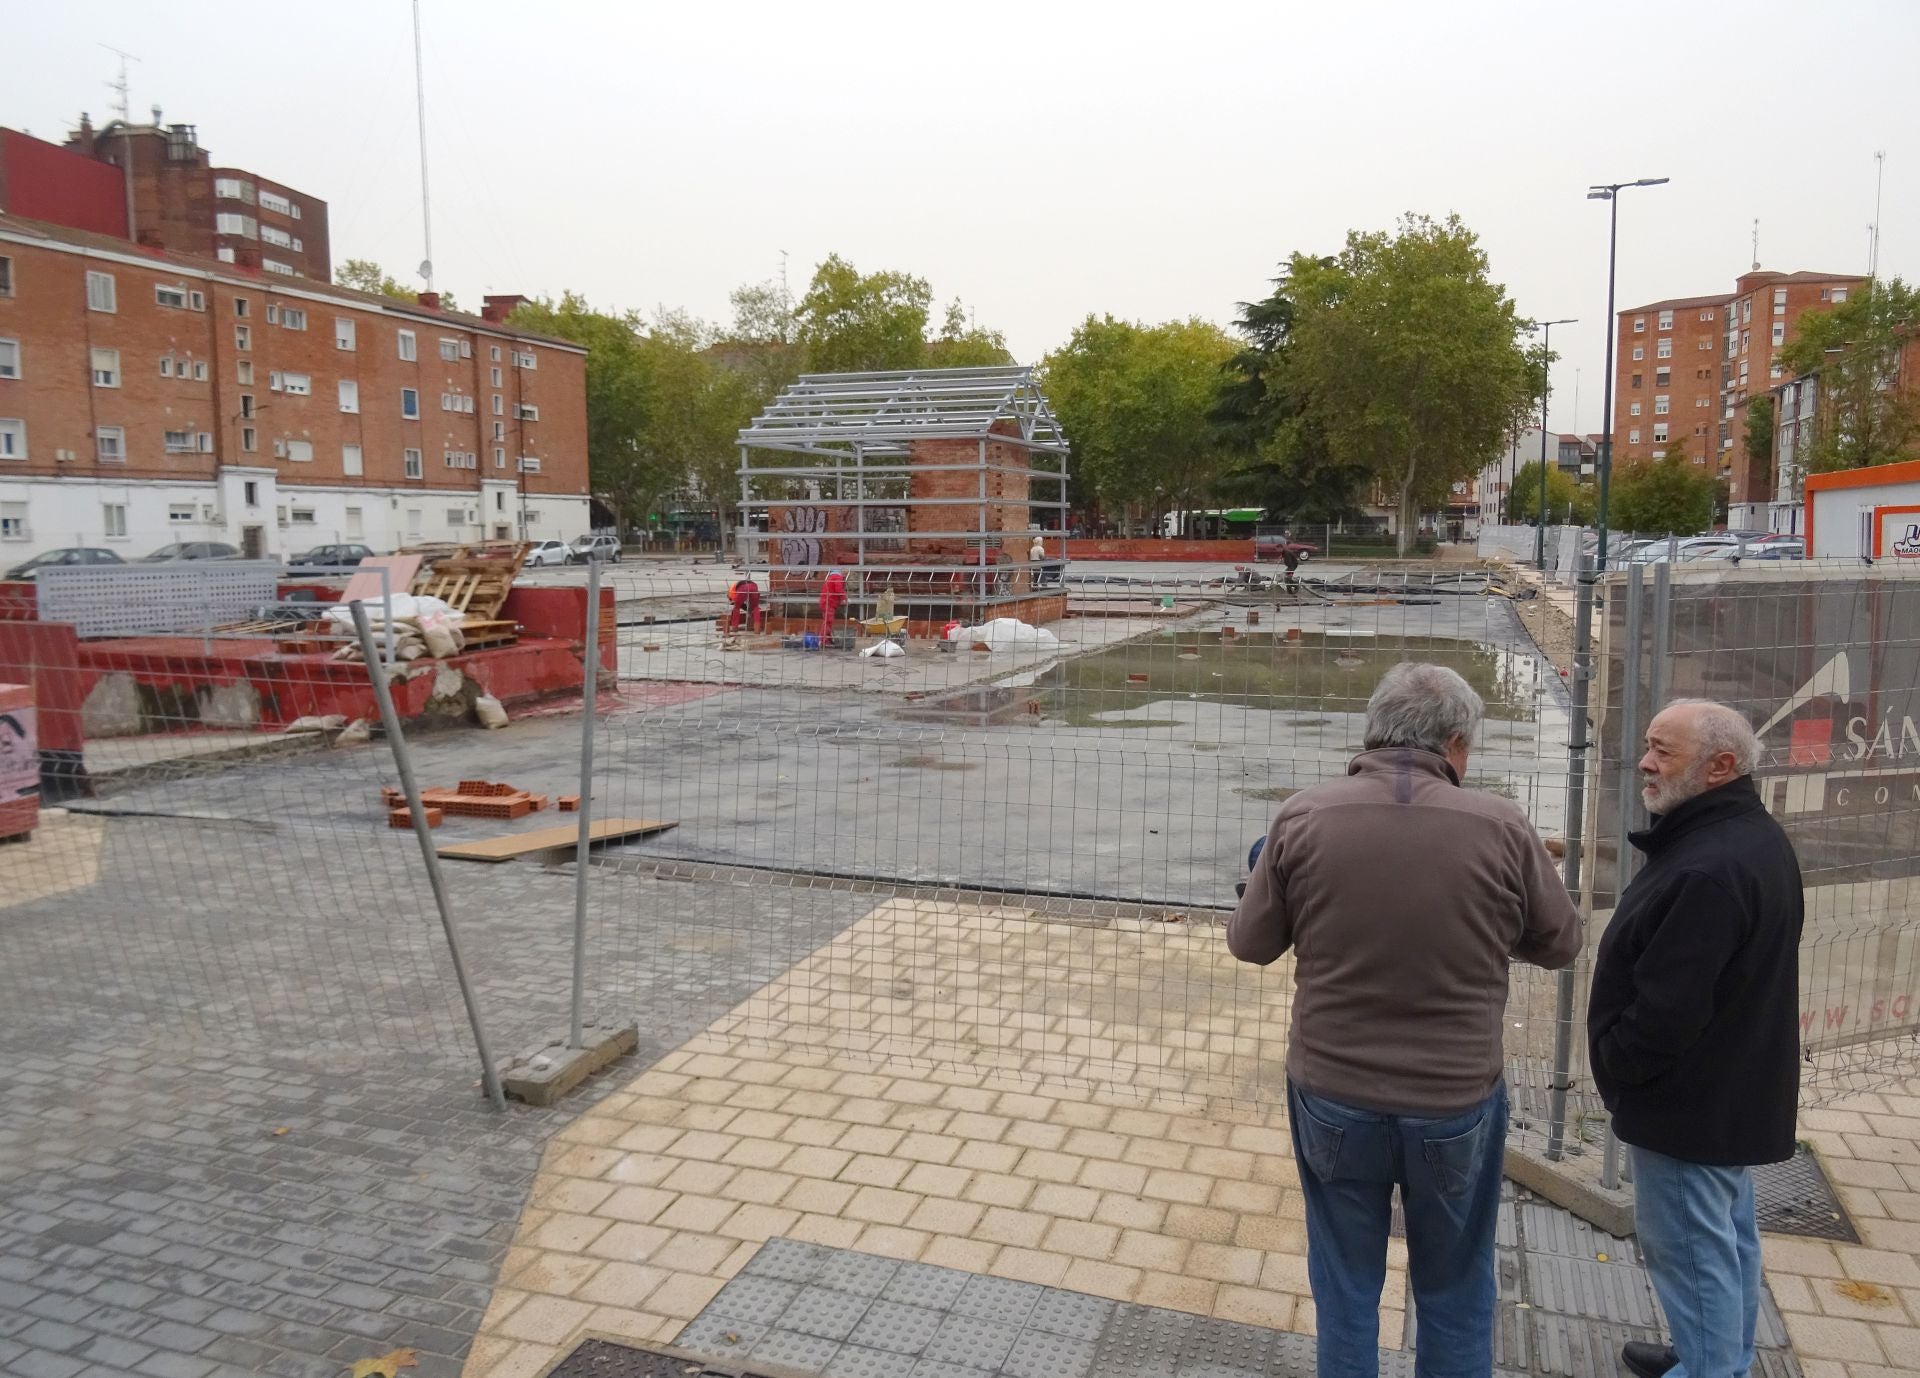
(469, 799)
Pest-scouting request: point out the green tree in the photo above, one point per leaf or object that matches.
(1136, 403)
(1667, 496)
(1409, 357)
(1564, 496)
(364, 275)
(1280, 458)
(962, 344)
(849, 322)
(1866, 412)
(1758, 442)
(695, 410)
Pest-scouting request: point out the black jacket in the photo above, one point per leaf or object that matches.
(1692, 1027)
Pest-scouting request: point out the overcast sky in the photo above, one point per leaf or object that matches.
(1041, 160)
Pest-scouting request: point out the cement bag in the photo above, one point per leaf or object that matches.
(401, 607)
(885, 650)
(441, 632)
(1010, 633)
(487, 708)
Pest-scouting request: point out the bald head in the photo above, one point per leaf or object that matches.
(1694, 745)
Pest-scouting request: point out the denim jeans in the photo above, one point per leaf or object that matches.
(1702, 1247)
(1448, 1168)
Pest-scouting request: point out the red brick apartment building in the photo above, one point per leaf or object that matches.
(1687, 367)
(155, 184)
(148, 397)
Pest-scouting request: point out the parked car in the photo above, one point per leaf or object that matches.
(191, 550)
(62, 558)
(587, 548)
(333, 555)
(549, 553)
(1274, 547)
(1782, 548)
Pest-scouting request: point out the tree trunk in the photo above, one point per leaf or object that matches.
(1409, 514)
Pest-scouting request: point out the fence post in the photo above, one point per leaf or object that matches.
(1577, 745)
(589, 685)
(397, 742)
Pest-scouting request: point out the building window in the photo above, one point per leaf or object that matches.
(499, 456)
(166, 367)
(177, 442)
(250, 493)
(278, 204)
(495, 372)
(456, 516)
(349, 395)
(9, 358)
(232, 189)
(410, 403)
(413, 522)
(1746, 309)
(1666, 320)
(1637, 378)
(113, 517)
(277, 237)
(1633, 409)
(1706, 343)
(225, 254)
(239, 306)
(1639, 353)
(449, 349)
(525, 360)
(243, 337)
(350, 461)
(6, 283)
(303, 516)
(343, 335)
(13, 521)
(355, 526)
(293, 318)
(243, 373)
(300, 451)
(1664, 350)
(106, 368)
(526, 412)
(1779, 333)
(13, 438)
(179, 298)
(249, 439)
(1633, 436)
(529, 464)
(493, 353)
(1662, 377)
(273, 265)
(231, 222)
(1839, 294)
(246, 404)
(1779, 301)
(499, 430)
(1707, 314)
(1660, 404)
(180, 512)
(100, 293)
(1700, 402)
(1775, 371)
(110, 444)
(1639, 328)
(1659, 432)
(413, 468)
(297, 384)
(408, 346)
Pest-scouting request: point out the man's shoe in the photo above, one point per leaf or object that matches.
(1648, 1359)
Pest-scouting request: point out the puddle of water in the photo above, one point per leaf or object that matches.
(930, 763)
(1264, 670)
(1273, 795)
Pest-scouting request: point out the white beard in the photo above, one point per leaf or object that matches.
(1664, 796)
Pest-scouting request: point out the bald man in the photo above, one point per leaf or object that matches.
(1693, 1031)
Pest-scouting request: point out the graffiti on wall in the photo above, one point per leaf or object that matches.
(800, 543)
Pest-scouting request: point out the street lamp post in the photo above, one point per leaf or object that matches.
(1546, 387)
(1610, 192)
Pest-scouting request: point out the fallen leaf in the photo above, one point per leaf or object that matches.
(386, 1365)
(281, 1130)
(1865, 1293)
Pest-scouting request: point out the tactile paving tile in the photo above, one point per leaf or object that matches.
(1073, 1314)
(1594, 1291)
(1774, 1363)
(822, 1311)
(851, 1361)
(972, 1342)
(1550, 1230)
(1040, 1354)
(939, 1368)
(789, 1260)
(1577, 1347)
(1142, 1342)
(1227, 1345)
(922, 1284)
(895, 1326)
(1508, 1275)
(791, 1349)
(845, 1271)
(997, 1299)
(756, 1299)
(720, 1337)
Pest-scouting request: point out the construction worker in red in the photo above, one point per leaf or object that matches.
(833, 597)
(744, 594)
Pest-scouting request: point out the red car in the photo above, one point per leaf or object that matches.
(1275, 547)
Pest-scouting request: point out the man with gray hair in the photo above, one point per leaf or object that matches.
(1403, 898)
(1693, 1031)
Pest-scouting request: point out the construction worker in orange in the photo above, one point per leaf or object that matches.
(744, 595)
(833, 597)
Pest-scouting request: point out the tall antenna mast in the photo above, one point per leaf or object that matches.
(1756, 243)
(426, 201)
(1879, 176)
(120, 89)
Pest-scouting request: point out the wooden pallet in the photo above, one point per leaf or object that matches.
(564, 838)
(476, 579)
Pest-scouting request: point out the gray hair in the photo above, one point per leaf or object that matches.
(1424, 706)
(1718, 728)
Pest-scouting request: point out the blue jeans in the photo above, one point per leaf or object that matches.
(1448, 1169)
(1702, 1248)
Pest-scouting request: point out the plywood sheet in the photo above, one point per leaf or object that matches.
(365, 584)
(551, 839)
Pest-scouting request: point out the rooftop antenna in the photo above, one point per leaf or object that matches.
(1756, 243)
(420, 100)
(121, 87)
(1873, 243)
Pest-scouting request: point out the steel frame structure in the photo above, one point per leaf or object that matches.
(853, 435)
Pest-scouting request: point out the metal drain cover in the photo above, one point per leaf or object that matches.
(604, 1359)
(1794, 1197)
